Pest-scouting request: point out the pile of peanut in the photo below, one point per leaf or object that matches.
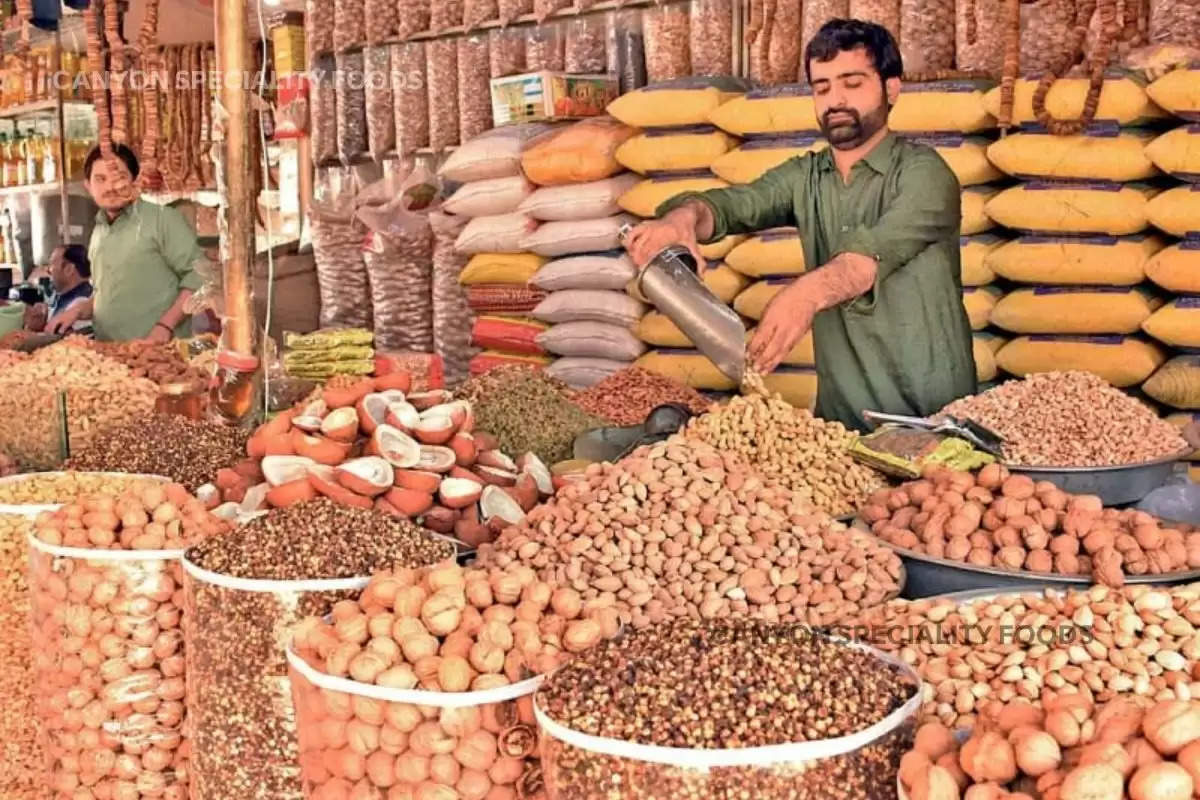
(996, 519)
(1070, 750)
(1070, 419)
(20, 756)
(789, 445)
(1103, 642)
(682, 529)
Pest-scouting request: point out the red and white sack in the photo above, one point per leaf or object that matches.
(400, 269)
(341, 274)
(452, 318)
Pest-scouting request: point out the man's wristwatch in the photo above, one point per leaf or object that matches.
(164, 327)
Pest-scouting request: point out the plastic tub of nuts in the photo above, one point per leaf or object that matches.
(737, 708)
(34, 493)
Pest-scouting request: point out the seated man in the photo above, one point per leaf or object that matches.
(70, 272)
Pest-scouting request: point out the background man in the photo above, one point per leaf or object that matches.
(70, 272)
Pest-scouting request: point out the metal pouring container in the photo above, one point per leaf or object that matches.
(670, 282)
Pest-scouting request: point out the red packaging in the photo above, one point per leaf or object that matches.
(510, 334)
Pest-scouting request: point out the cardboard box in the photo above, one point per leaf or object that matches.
(550, 95)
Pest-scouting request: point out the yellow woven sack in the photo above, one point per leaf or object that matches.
(1177, 268)
(804, 354)
(675, 149)
(720, 248)
(1178, 92)
(944, 106)
(979, 301)
(645, 198)
(765, 112)
(1115, 209)
(1123, 100)
(974, 204)
(774, 252)
(985, 361)
(1121, 360)
(966, 156)
(1177, 211)
(1177, 323)
(1177, 384)
(510, 268)
(753, 301)
(687, 101)
(1181, 420)
(993, 341)
(1075, 260)
(758, 156)
(686, 366)
(796, 385)
(1104, 153)
(973, 253)
(1194, 474)
(722, 281)
(1074, 310)
(1178, 152)
(657, 329)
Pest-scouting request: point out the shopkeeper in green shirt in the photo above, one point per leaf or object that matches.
(879, 220)
(143, 257)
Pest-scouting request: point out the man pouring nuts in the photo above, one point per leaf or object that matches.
(879, 219)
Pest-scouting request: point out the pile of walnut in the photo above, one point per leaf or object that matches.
(995, 519)
(1071, 750)
(160, 363)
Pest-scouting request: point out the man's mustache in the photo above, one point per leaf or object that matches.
(848, 112)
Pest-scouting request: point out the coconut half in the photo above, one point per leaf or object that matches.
(495, 503)
(530, 464)
(307, 423)
(291, 493)
(435, 430)
(440, 519)
(497, 459)
(341, 425)
(423, 401)
(417, 480)
(409, 502)
(458, 493)
(372, 412)
(397, 447)
(435, 459)
(278, 470)
(485, 441)
(370, 476)
(255, 499)
(496, 477)
(463, 445)
(324, 480)
(319, 449)
(402, 416)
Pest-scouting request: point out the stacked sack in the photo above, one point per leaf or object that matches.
(490, 188)
(1176, 268)
(586, 317)
(1082, 211)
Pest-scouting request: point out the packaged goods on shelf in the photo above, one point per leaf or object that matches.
(775, 52)
(382, 20)
(1177, 323)
(769, 253)
(506, 52)
(500, 233)
(500, 268)
(942, 107)
(926, 35)
(582, 305)
(753, 301)
(414, 17)
(980, 302)
(1177, 211)
(722, 247)
(1103, 153)
(985, 360)
(452, 317)
(974, 255)
(318, 26)
(626, 51)
(777, 111)
(1174, 22)
(1177, 268)
(815, 14)
(381, 109)
(1176, 92)
(445, 15)
(1177, 383)
(441, 75)
(1074, 309)
(671, 104)
(323, 123)
(711, 34)
(645, 198)
(1177, 152)
(967, 156)
(578, 153)
(585, 372)
(349, 24)
(975, 219)
(667, 32)
(578, 201)
(489, 360)
(680, 149)
(1075, 260)
(751, 160)
(410, 97)
(1123, 361)
(545, 47)
(557, 239)
(337, 250)
(585, 49)
(591, 340)
(350, 89)
(474, 86)
(1074, 207)
(601, 271)
(510, 334)
(547, 92)
(1123, 101)
(689, 367)
(503, 298)
(489, 197)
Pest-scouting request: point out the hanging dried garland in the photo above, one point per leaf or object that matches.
(1097, 65)
(151, 177)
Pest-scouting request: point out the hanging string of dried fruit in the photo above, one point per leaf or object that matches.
(95, 56)
(1012, 61)
(148, 56)
(175, 163)
(117, 72)
(1097, 60)
(207, 170)
(198, 90)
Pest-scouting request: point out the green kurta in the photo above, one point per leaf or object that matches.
(140, 263)
(905, 346)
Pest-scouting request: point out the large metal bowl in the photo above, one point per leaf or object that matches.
(1116, 486)
(929, 576)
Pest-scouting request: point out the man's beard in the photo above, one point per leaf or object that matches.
(849, 133)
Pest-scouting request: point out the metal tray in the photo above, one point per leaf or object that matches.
(928, 576)
(1116, 486)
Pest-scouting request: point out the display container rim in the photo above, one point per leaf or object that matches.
(1039, 470)
(765, 756)
(95, 554)
(270, 585)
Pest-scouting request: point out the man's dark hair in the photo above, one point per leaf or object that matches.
(840, 35)
(120, 151)
(77, 255)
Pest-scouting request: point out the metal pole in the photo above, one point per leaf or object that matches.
(64, 189)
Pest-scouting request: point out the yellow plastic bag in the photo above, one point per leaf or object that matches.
(804, 354)
(1176, 323)
(1178, 92)
(582, 152)
(985, 361)
(774, 252)
(675, 149)
(753, 301)
(659, 330)
(796, 385)
(1177, 384)
(509, 268)
(1121, 360)
(1074, 310)
(1075, 260)
(721, 248)
(1181, 420)
(979, 302)
(645, 198)
(1177, 268)
(753, 159)
(975, 219)
(1123, 100)
(687, 101)
(943, 106)
(769, 112)
(686, 366)
(1178, 152)
(1111, 208)
(973, 254)
(1104, 153)
(967, 157)
(1177, 211)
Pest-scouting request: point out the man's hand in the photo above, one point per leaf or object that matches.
(159, 334)
(676, 227)
(788, 318)
(64, 322)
